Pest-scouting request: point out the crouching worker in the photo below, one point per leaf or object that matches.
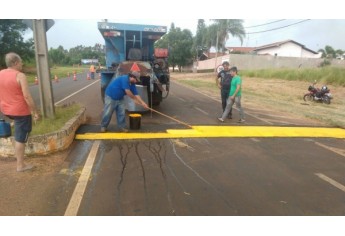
(114, 99)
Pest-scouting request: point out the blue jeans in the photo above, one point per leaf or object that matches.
(22, 127)
(105, 80)
(224, 94)
(92, 75)
(110, 106)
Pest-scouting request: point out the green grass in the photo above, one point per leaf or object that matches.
(326, 75)
(261, 90)
(62, 115)
(61, 72)
(197, 83)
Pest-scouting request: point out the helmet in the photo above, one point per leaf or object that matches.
(324, 88)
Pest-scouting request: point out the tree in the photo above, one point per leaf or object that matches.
(199, 44)
(181, 48)
(225, 27)
(339, 52)
(330, 53)
(81, 52)
(180, 43)
(210, 36)
(11, 40)
(58, 56)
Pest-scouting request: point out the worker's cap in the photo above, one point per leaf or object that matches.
(135, 74)
(234, 68)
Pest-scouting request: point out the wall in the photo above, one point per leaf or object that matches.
(249, 62)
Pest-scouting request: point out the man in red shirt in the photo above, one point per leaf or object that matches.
(16, 103)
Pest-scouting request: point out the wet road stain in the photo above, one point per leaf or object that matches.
(124, 154)
(155, 153)
(227, 203)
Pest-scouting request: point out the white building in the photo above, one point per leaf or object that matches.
(89, 61)
(287, 48)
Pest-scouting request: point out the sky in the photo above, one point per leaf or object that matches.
(76, 23)
(312, 33)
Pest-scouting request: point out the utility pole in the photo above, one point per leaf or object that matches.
(215, 61)
(196, 59)
(39, 28)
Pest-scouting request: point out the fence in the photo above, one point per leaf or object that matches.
(250, 62)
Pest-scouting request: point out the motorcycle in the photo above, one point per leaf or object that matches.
(318, 95)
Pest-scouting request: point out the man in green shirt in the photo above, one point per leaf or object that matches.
(234, 96)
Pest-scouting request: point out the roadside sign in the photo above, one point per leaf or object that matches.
(49, 24)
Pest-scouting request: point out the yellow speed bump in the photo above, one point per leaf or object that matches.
(225, 131)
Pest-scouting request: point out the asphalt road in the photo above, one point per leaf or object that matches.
(187, 176)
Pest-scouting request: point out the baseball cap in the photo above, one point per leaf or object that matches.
(234, 68)
(135, 74)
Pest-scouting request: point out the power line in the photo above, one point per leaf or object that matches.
(253, 26)
(257, 32)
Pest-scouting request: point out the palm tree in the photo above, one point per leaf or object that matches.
(225, 27)
(328, 52)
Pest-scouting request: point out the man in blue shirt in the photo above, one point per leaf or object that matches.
(114, 99)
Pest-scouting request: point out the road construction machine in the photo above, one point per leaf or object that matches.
(130, 47)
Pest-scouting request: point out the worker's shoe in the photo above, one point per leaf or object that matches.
(241, 121)
(220, 119)
(123, 130)
(103, 129)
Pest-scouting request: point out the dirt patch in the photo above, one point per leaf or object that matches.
(19, 190)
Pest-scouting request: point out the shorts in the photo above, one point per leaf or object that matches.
(22, 127)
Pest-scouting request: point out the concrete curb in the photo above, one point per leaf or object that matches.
(46, 143)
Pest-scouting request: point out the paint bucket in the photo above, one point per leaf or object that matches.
(134, 121)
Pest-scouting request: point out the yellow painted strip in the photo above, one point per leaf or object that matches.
(79, 190)
(225, 131)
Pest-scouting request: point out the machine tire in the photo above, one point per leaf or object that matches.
(161, 63)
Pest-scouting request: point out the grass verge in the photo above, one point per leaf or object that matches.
(275, 94)
(62, 115)
(60, 72)
(325, 75)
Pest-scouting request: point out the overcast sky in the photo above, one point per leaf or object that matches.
(314, 33)
(76, 22)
